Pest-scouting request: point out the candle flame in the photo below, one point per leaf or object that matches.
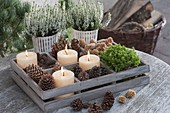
(88, 56)
(26, 53)
(66, 51)
(62, 71)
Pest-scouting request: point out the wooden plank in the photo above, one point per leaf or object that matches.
(96, 81)
(80, 85)
(135, 7)
(142, 14)
(28, 90)
(155, 18)
(119, 10)
(96, 93)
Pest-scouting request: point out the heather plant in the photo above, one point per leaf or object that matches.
(45, 20)
(86, 16)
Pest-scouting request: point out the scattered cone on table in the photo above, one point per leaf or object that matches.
(108, 101)
(130, 93)
(77, 104)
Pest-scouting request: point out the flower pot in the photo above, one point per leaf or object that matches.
(43, 44)
(86, 35)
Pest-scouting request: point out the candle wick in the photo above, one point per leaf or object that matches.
(66, 52)
(88, 59)
(63, 73)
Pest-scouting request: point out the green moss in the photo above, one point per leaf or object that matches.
(120, 58)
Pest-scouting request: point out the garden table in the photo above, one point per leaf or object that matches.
(153, 98)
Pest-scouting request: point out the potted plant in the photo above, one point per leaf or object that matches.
(44, 23)
(85, 19)
(120, 58)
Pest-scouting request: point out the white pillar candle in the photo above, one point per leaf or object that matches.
(24, 59)
(67, 56)
(63, 78)
(88, 61)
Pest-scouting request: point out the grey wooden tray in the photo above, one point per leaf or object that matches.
(114, 82)
(78, 85)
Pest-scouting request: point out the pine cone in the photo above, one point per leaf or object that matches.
(35, 72)
(45, 61)
(94, 108)
(95, 72)
(77, 104)
(47, 82)
(104, 71)
(57, 66)
(82, 76)
(107, 101)
(75, 45)
(77, 69)
(56, 47)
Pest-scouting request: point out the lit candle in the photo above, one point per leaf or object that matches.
(88, 61)
(24, 59)
(63, 78)
(67, 56)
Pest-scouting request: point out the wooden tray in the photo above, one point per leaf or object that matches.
(114, 82)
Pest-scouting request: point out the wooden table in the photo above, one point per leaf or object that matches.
(154, 98)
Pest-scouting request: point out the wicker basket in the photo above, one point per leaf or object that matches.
(143, 41)
(86, 35)
(43, 44)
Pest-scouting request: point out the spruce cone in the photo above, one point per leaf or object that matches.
(82, 76)
(47, 82)
(108, 101)
(77, 69)
(57, 66)
(77, 104)
(95, 72)
(94, 108)
(35, 72)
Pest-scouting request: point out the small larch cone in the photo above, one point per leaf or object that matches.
(130, 93)
(77, 104)
(35, 72)
(47, 82)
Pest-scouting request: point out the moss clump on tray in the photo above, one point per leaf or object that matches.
(120, 58)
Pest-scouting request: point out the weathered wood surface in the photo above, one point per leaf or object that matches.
(152, 98)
